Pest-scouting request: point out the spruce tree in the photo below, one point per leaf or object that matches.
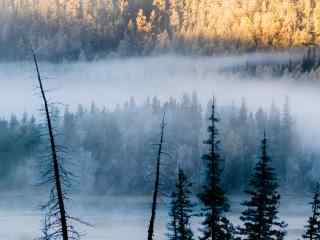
(181, 210)
(260, 218)
(312, 229)
(215, 225)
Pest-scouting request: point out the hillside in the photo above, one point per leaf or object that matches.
(73, 29)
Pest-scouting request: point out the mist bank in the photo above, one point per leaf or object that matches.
(116, 85)
(114, 81)
(122, 216)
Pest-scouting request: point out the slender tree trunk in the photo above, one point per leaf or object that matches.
(156, 186)
(56, 168)
(213, 151)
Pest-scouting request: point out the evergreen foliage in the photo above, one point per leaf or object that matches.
(312, 229)
(181, 210)
(260, 218)
(215, 225)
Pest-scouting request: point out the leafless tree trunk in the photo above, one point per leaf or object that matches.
(157, 182)
(55, 162)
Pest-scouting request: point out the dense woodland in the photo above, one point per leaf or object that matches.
(89, 29)
(120, 144)
(198, 155)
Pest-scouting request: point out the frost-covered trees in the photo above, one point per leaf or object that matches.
(110, 152)
(95, 28)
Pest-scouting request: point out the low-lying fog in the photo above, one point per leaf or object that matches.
(112, 82)
(121, 217)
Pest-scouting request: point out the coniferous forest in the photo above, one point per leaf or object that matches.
(91, 29)
(159, 119)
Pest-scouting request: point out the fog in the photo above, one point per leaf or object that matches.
(121, 217)
(114, 81)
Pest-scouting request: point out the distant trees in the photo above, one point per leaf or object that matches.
(91, 29)
(312, 229)
(260, 218)
(286, 138)
(181, 210)
(107, 151)
(19, 140)
(215, 204)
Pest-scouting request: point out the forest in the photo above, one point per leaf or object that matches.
(93, 29)
(159, 119)
(119, 143)
(108, 158)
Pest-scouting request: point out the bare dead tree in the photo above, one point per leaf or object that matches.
(157, 181)
(45, 230)
(56, 222)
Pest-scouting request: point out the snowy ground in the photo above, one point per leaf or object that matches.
(118, 218)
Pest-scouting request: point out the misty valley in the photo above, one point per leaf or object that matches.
(109, 119)
(159, 119)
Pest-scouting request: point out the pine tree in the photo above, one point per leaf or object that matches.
(260, 220)
(215, 226)
(181, 210)
(312, 231)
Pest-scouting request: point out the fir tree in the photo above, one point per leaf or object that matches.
(312, 231)
(181, 210)
(215, 225)
(260, 220)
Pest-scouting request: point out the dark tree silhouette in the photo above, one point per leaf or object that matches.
(181, 210)
(260, 220)
(157, 181)
(173, 225)
(215, 226)
(312, 231)
(56, 220)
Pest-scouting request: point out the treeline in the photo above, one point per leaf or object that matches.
(112, 146)
(260, 218)
(305, 67)
(78, 29)
(260, 215)
(19, 141)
